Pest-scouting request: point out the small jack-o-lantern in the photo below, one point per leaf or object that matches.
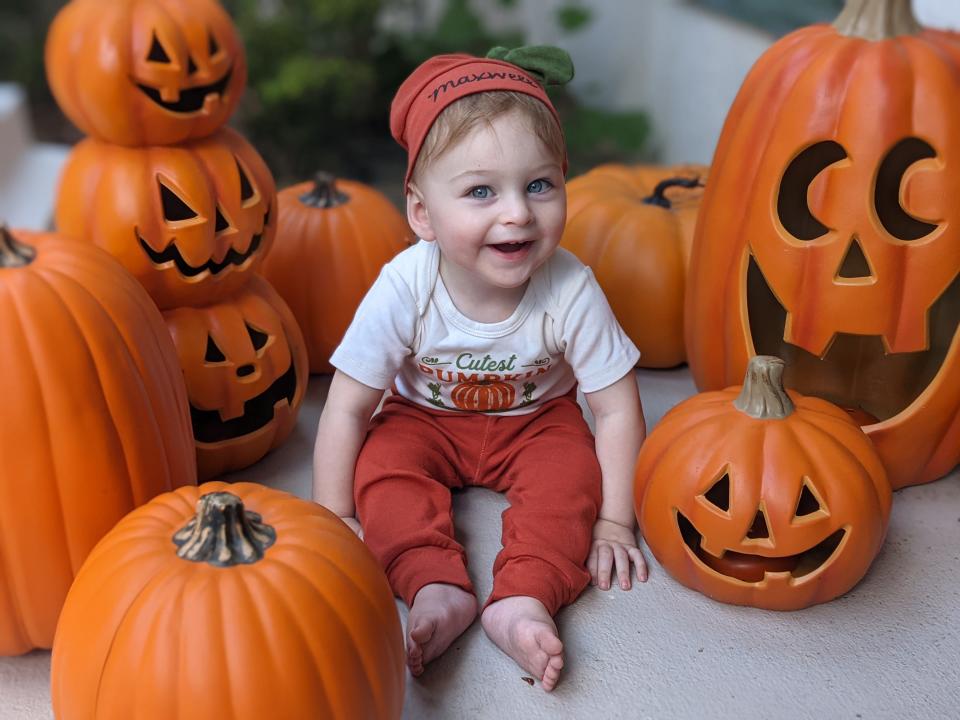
(246, 369)
(145, 72)
(191, 222)
(756, 496)
(830, 232)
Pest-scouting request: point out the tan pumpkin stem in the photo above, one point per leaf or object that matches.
(763, 396)
(877, 19)
(14, 254)
(660, 200)
(325, 193)
(223, 533)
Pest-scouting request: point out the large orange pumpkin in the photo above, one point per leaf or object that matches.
(333, 237)
(756, 496)
(191, 222)
(95, 419)
(229, 601)
(634, 226)
(830, 233)
(246, 371)
(145, 72)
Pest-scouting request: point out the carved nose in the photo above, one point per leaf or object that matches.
(854, 265)
(245, 370)
(759, 528)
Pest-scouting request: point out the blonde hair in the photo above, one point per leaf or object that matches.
(458, 120)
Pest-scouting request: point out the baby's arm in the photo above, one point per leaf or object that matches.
(342, 428)
(620, 430)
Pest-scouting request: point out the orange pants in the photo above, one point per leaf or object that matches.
(545, 462)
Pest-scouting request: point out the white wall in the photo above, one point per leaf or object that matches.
(681, 64)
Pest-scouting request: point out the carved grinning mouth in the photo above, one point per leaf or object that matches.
(172, 254)
(856, 373)
(191, 99)
(209, 427)
(754, 568)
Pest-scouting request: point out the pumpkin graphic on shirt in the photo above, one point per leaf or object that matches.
(483, 396)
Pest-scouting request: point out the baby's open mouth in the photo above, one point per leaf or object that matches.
(512, 247)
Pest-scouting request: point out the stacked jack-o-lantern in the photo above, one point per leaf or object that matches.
(186, 204)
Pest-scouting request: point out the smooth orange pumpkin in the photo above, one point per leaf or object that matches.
(830, 233)
(191, 222)
(483, 396)
(634, 226)
(95, 419)
(756, 496)
(229, 601)
(145, 72)
(333, 238)
(246, 371)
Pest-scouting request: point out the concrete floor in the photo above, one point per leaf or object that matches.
(888, 649)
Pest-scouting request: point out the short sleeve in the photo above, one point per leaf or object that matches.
(591, 339)
(381, 334)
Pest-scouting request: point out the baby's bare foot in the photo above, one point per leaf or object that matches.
(524, 630)
(439, 614)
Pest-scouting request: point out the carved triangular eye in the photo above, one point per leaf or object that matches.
(213, 354)
(214, 48)
(258, 338)
(173, 207)
(808, 503)
(246, 189)
(157, 53)
(719, 494)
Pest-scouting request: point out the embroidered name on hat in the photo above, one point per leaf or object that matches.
(478, 77)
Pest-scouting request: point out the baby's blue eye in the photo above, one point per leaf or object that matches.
(539, 186)
(481, 192)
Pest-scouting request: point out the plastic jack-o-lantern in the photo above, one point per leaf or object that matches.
(191, 222)
(246, 369)
(754, 496)
(145, 72)
(829, 234)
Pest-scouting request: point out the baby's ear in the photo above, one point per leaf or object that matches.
(417, 214)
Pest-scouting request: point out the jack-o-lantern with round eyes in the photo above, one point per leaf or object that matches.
(830, 232)
(755, 496)
(145, 72)
(191, 222)
(245, 364)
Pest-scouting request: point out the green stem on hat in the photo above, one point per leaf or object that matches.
(548, 64)
(325, 193)
(660, 200)
(877, 19)
(13, 253)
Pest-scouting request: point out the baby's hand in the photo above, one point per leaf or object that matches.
(354, 525)
(614, 544)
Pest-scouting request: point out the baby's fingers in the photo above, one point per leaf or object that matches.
(640, 563)
(604, 565)
(623, 565)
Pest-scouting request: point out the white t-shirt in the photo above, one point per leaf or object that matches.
(408, 333)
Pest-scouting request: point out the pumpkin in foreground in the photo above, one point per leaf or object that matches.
(95, 419)
(829, 234)
(756, 496)
(634, 226)
(229, 601)
(333, 237)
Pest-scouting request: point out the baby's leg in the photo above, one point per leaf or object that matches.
(405, 509)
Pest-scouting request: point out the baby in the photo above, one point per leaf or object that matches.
(484, 330)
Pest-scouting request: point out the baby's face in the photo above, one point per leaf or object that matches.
(496, 204)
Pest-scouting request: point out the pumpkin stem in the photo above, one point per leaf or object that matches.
(877, 19)
(223, 533)
(325, 193)
(763, 396)
(13, 253)
(660, 200)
